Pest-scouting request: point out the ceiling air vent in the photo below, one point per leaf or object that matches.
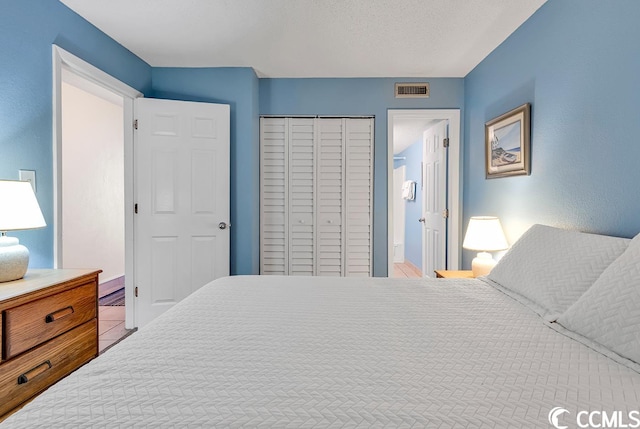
(412, 90)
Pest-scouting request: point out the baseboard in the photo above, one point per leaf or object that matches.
(129, 332)
(110, 286)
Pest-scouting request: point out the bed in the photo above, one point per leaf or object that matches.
(258, 351)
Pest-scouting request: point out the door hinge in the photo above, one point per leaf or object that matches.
(135, 208)
(445, 142)
(135, 291)
(445, 213)
(135, 124)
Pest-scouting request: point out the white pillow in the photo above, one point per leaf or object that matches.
(609, 312)
(553, 267)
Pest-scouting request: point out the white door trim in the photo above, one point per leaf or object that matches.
(454, 179)
(63, 59)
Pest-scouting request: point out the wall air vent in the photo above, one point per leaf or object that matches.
(412, 90)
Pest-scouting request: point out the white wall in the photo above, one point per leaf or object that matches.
(398, 214)
(92, 182)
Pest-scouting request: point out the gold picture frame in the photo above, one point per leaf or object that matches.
(508, 143)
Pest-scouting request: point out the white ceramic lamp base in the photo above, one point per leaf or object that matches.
(482, 264)
(14, 259)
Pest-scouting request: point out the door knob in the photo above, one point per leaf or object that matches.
(421, 220)
(223, 225)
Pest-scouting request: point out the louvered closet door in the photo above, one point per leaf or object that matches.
(274, 192)
(301, 196)
(330, 192)
(358, 196)
(316, 187)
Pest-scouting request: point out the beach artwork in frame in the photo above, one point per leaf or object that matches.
(508, 144)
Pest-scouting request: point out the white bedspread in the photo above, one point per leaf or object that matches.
(335, 352)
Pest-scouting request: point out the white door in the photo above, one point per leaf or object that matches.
(274, 192)
(358, 191)
(301, 197)
(330, 244)
(434, 200)
(182, 198)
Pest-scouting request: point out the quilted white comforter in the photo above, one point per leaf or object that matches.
(335, 352)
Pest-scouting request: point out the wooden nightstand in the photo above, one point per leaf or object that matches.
(453, 274)
(49, 322)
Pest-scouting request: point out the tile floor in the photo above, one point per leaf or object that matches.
(111, 326)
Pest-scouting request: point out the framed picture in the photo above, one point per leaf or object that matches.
(508, 143)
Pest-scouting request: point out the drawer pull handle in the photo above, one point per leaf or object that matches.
(34, 372)
(59, 314)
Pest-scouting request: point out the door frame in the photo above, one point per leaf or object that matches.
(63, 59)
(454, 171)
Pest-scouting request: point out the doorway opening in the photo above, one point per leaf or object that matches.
(424, 192)
(93, 193)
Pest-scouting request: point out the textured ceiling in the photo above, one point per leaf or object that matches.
(407, 131)
(312, 38)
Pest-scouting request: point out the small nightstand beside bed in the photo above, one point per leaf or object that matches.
(454, 274)
(342, 352)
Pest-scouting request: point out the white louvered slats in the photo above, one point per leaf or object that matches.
(316, 196)
(329, 197)
(301, 196)
(274, 196)
(358, 196)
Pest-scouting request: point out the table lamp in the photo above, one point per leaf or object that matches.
(484, 234)
(19, 209)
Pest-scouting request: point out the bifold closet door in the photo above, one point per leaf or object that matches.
(316, 191)
(274, 190)
(301, 196)
(330, 196)
(287, 186)
(358, 198)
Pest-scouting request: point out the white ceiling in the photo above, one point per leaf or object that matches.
(407, 131)
(312, 38)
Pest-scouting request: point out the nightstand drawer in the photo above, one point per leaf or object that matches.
(39, 368)
(31, 324)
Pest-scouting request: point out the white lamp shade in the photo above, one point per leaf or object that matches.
(484, 233)
(19, 208)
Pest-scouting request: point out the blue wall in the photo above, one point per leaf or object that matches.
(237, 87)
(372, 96)
(413, 208)
(578, 64)
(28, 28)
